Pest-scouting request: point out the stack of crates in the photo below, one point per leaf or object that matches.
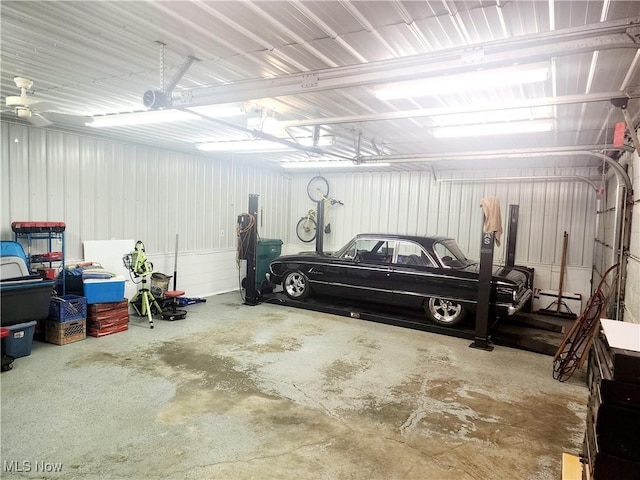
(108, 318)
(67, 320)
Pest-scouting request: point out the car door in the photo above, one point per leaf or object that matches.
(363, 271)
(415, 275)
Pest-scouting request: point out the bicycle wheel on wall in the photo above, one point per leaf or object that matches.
(306, 229)
(318, 188)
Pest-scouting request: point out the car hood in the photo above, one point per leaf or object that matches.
(503, 274)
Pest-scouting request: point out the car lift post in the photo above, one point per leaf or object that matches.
(511, 236)
(320, 227)
(481, 339)
(251, 241)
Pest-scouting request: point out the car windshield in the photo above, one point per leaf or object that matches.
(450, 255)
(370, 246)
(348, 249)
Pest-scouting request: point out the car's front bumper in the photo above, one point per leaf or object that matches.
(275, 279)
(513, 309)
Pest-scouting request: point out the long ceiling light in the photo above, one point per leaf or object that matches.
(259, 145)
(141, 118)
(476, 130)
(242, 146)
(465, 82)
(163, 116)
(328, 164)
(220, 111)
(489, 116)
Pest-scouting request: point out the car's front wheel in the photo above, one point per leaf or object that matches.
(296, 285)
(444, 312)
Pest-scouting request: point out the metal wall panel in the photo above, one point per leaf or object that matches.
(605, 251)
(106, 190)
(109, 190)
(418, 203)
(632, 291)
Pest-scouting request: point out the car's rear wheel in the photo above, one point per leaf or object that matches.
(444, 312)
(296, 285)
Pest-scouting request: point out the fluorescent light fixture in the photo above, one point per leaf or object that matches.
(220, 111)
(260, 145)
(141, 118)
(268, 125)
(489, 116)
(465, 82)
(462, 131)
(168, 115)
(242, 146)
(330, 164)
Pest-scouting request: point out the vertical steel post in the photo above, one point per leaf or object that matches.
(252, 297)
(481, 338)
(512, 235)
(320, 227)
(175, 266)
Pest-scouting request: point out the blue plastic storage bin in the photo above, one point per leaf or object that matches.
(18, 342)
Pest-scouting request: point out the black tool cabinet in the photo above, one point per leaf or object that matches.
(611, 448)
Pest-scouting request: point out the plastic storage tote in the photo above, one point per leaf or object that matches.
(18, 342)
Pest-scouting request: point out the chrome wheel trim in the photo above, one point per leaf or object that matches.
(295, 284)
(444, 311)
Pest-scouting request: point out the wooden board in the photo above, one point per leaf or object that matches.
(571, 467)
(622, 335)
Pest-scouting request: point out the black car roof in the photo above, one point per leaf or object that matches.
(427, 242)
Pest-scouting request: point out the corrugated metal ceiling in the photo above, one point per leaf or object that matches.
(93, 58)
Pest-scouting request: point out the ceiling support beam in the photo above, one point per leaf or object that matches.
(546, 178)
(579, 150)
(180, 73)
(434, 112)
(526, 49)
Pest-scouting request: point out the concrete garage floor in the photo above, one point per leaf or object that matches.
(239, 392)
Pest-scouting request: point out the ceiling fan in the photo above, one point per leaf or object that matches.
(30, 108)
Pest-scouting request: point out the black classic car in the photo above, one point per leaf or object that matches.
(430, 273)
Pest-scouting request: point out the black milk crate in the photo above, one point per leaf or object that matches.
(66, 308)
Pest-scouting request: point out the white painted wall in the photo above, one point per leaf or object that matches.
(107, 190)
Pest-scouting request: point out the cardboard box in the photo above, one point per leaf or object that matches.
(108, 318)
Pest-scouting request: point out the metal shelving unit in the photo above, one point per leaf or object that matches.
(30, 232)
